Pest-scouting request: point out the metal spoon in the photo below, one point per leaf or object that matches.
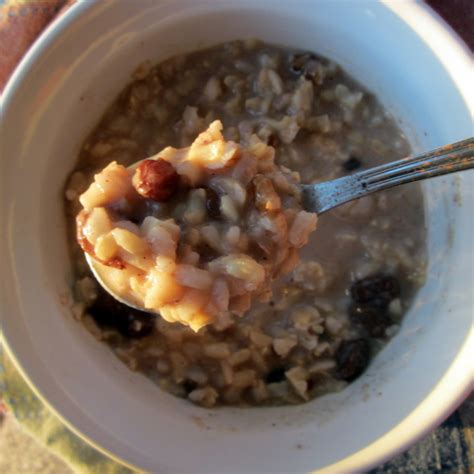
(327, 195)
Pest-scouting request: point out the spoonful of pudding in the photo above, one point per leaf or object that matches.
(199, 233)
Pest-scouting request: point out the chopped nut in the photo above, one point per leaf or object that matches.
(227, 372)
(206, 396)
(259, 339)
(244, 378)
(239, 357)
(283, 346)
(218, 350)
(298, 376)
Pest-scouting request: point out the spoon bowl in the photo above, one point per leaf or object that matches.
(322, 197)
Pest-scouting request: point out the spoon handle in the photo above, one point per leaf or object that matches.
(324, 196)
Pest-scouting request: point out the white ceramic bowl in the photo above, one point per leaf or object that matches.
(420, 71)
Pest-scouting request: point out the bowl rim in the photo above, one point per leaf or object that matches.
(431, 28)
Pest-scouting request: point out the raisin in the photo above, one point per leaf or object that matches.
(273, 140)
(213, 203)
(275, 375)
(105, 310)
(299, 62)
(374, 319)
(156, 180)
(261, 249)
(130, 323)
(311, 383)
(189, 386)
(352, 359)
(352, 163)
(378, 288)
(206, 252)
